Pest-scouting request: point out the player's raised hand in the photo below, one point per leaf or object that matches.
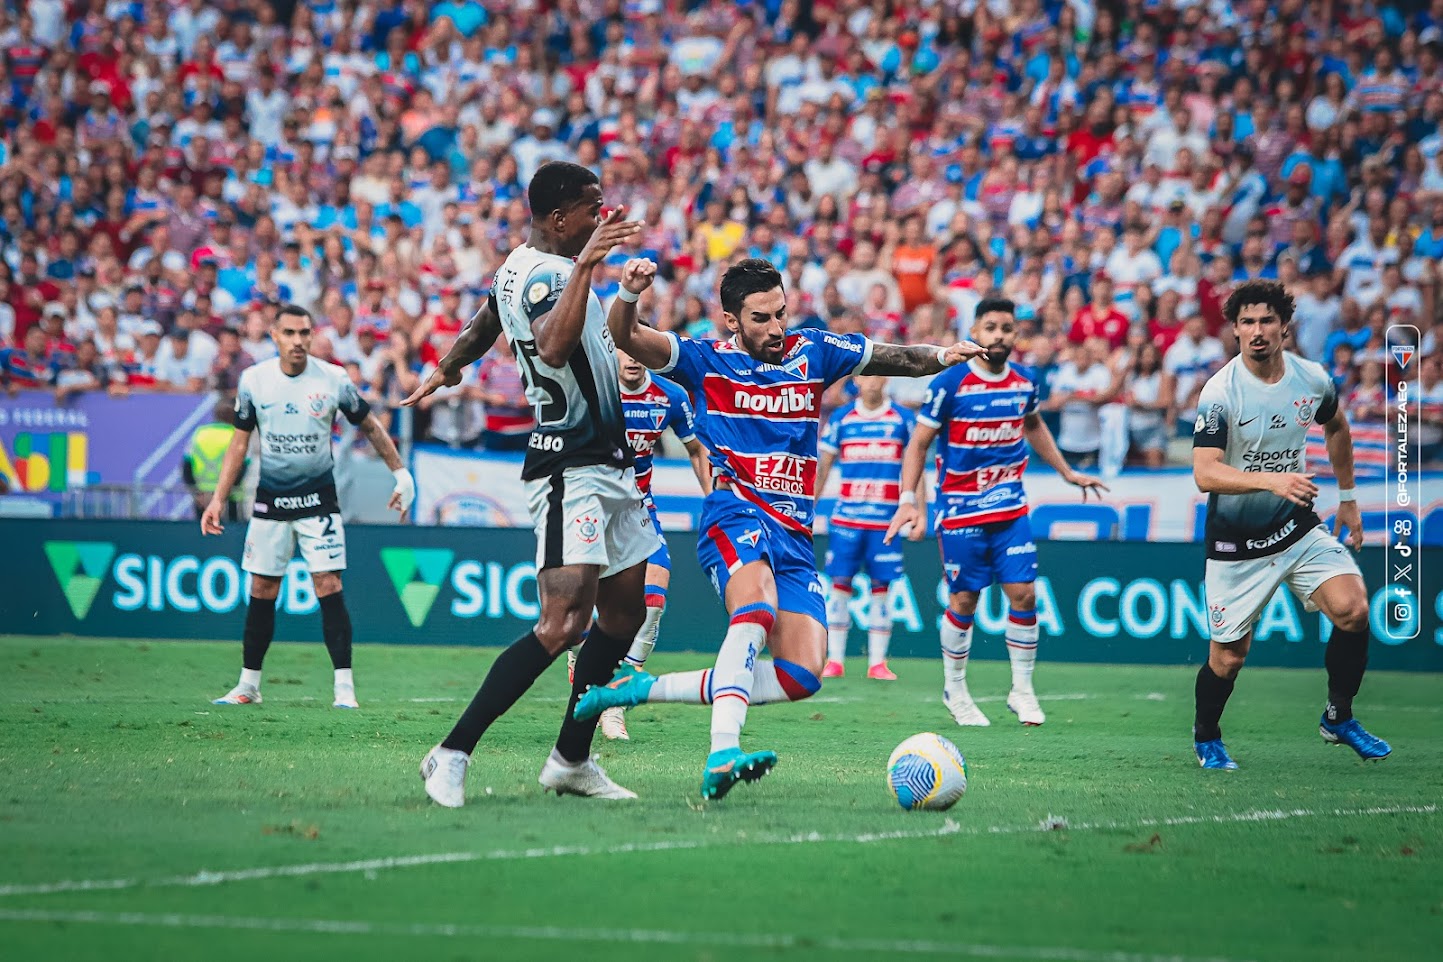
(611, 231)
(960, 352)
(404, 494)
(210, 519)
(439, 378)
(1087, 483)
(906, 514)
(1297, 488)
(637, 274)
(1349, 518)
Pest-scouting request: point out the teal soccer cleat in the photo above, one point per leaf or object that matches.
(627, 689)
(731, 765)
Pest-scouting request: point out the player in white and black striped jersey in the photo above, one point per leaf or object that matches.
(1249, 456)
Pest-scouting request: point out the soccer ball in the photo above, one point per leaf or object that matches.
(927, 772)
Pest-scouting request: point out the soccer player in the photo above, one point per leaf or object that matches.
(984, 415)
(1249, 446)
(651, 404)
(758, 402)
(292, 400)
(870, 435)
(593, 534)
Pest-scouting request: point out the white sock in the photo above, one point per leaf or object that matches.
(343, 678)
(252, 678)
(645, 641)
(735, 672)
(879, 626)
(682, 688)
(1022, 647)
(839, 622)
(956, 646)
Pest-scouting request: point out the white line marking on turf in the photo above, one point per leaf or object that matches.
(624, 936)
(948, 828)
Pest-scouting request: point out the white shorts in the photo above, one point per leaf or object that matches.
(1239, 591)
(270, 545)
(590, 515)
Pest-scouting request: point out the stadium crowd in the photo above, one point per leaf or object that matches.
(174, 170)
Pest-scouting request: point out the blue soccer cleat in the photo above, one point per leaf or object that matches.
(1355, 736)
(1214, 755)
(628, 688)
(731, 765)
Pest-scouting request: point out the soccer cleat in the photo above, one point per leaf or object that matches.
(1024, 705)
(444, 772)
(586, 779)
(964, 710)
(613, 725)
(1214, 755)
(880, 672)
(240, 695)
(834, 669)
(627, 689)
(345, 697)
(1355, 736)
(731, 765)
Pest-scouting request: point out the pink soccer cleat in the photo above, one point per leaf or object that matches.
(833, 669)
(880, 672)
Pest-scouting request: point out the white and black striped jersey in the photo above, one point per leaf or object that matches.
(579, 419)
(1261, 427)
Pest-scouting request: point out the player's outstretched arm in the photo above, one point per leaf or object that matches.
(651, 347)
(917, 360)
(405, 491)
(558, 331)
(231, 467)
(1339, 438)
(1215, 476)
(700, 464)
(911, 509)
(471, 345)
(825, 460)
(1039, 436)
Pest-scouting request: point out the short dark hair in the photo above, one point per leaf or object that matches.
(1248, 293)
(989, 304)
(294, 310)
(557, 185)
(752, 275)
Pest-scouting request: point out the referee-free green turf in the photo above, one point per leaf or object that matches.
(129, 802)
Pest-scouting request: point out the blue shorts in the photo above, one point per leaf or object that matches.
(849, 549)
(734, 533)
(661, 557)
(1002, 553)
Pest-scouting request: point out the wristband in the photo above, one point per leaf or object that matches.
(942, 357)
(908, 497)
(627, 296)
(1347, 494)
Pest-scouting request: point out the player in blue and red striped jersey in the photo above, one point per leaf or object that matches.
(867, 438)
(984, 416)
(758, 402)
(651, 404)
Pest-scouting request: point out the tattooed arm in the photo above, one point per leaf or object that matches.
(473, 342)
(917, 360)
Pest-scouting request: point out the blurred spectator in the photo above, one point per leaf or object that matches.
(508, 418)
(1082, 385)
(1193, 358)
(1147, 406)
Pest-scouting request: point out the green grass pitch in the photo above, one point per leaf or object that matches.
(138, 821)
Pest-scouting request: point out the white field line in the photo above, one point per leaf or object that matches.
(947, 828)
(731, 940)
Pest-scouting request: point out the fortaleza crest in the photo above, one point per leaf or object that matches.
(1304, 412)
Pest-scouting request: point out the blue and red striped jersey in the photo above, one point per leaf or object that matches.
(868, 446)
(761, 421)
(981, 446)
(656, 406)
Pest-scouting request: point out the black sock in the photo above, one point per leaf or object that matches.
(596, 662)
(511, 674)
(336, 629)
(1211, 694)
(1346, 659)
(260, 628)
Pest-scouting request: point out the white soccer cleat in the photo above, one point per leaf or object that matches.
(613, 725)
(1024, 705)
(964, 710)
(240, 695)
(444, 772)
(345, 697)
(584, 778)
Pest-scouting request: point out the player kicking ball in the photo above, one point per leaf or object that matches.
(650, 404)
(984, 417)
(869, 435)
(757, 397)
(1249, 445)
(292, 399)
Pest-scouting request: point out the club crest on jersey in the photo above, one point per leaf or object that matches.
(588, 529)
(1216, 615)
(316, 403)
(658, 417)
(751, 538)
(537, 292)
(952, 571)
(797, 367)
(1304, 411)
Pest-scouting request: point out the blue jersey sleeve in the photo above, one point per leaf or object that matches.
(679, 417)
(1034, 397)
(830, 440)
(909, 424)
(937, 409)
(687, 366)
(840, 355)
